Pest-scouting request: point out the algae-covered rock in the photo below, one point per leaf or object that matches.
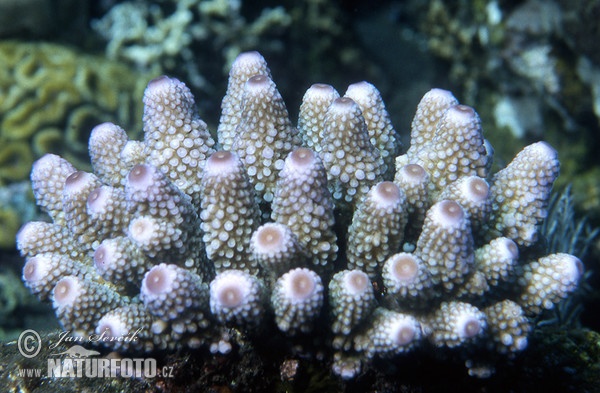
(562, 360)
(50, 98)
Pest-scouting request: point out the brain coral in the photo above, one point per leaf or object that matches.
(51, 96)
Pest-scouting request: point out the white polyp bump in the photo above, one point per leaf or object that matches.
(440, 95)
(571, 268)
(77, 181)
(404, 330)
(319, 91)
(413, 173)
(230, 296)
(360, 89)
(460, 114)
(300, 159)
(159, 326)
(356, 282)
(221, 162)
(267, 153)
(543, 151)
(141, 177)
(104, 256)
(160, 84)
(269, 238)
(142, 229)
(230, 289)
(247, 60)
(28, 231)
(106, 130)
(521, 343)
(66, 291)
(158, 280)
(131, 149)
(467, 325)
(224, 347)
(447, 213)
(342, 105)
(37, 268)
(257, 84)
(111, 325)
(507, 248)
(386, 194)
(346, 368)
(475, 188)
(506, 339)
(300, 284)
(98, 200)
(403, 267)
(46, 162)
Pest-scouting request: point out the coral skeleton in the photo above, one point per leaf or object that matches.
(323, 227)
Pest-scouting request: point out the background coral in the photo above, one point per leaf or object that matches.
(51, 96)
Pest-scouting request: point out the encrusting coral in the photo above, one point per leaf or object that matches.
(305, 227)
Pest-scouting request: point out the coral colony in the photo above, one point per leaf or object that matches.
(276, 225)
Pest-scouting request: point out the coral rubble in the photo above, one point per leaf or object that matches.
(181, 240)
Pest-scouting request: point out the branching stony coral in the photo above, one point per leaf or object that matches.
(291, 229)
